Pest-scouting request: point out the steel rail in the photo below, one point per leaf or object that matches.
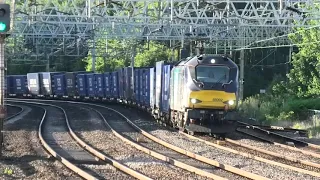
(185, 152)
(175, 148)
(282, 145)
(159, 155)
(274, 128)
(283, 136)
(170, 146)
(16, 114)
(261, 159)
(64, 161)
(149, 151)
(273, 153)
(95, 152)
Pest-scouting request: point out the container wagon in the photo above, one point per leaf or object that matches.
(33, 84)
(99, 85)
(19, 85)
(8, 86)
(47, 83)
(71, 84)
(82, 85)
(108, 85)
(59, 88)
(90, 79)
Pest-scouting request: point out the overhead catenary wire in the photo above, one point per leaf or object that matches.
(286, 45)
(247, 47)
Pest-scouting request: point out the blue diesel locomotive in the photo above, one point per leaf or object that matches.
(197, 94)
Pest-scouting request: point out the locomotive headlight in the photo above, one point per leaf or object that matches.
(213, 61)
(194, 101)
(231, 102)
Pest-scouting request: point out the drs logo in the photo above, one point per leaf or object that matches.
(69, 82)
(100, 83)
(114, 83)
(81, 83)
(18, 83)
(45, 82)
(90, 81)
(59, 83)
(90, 84)
(106, 81)
(33, 83)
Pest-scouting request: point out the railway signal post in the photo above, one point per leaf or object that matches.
(4, 28)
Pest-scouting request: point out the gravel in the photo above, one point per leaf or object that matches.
(270, 147)
(23, 153)
(253, 166)
(269, 157)
(125, 129)
(63, 143)
(280, 140)
(90, 127)
(315, 141)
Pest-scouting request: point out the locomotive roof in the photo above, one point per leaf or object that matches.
(206, 59)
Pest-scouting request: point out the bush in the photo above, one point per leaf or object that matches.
(268, 109)
(300, 105)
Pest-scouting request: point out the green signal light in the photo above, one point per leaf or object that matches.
(2, 26)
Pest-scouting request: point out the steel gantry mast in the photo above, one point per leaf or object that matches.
(66, 24)
(231, 20)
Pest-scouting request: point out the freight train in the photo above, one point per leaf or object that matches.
(198, 94)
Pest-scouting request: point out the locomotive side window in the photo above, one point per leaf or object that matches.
(212, 74)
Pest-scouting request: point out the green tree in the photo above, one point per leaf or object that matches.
(304, 78)
(155, 52)
(118, 54)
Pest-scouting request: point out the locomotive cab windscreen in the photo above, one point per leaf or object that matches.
(212, 76)
(213, 73)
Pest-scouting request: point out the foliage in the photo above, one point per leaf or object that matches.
(156, 52)
(288, 99)
(118, 54)
(266, 108)
(261, 66)
(304, 78)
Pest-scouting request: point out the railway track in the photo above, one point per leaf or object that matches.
(121, 125)
(13, 110)
(278, 129)
(97, 133)
(301, 166)
(73, 155)
(273, 170)
(287, 163)
(129, 132)
(281, 140)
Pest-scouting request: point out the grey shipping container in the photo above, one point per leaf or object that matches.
(71, 84)
(46, 82)
(33, 83)
(158, 83)
(128, 89)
